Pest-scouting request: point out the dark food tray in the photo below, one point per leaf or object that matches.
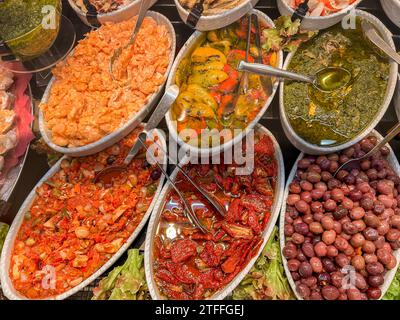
(37, 165)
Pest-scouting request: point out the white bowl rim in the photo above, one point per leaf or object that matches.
(282, 238)
(390, 89)
(215, 150)
(275, 210)
(223, 14)
(86, 149)
(8, 289)
(333, 15)
(106, 14)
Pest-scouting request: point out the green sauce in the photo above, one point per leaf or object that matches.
(21, 26)
(331, 118)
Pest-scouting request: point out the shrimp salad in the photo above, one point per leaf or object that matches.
(85, 102)
(319, 8)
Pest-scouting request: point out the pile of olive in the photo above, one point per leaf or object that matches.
(341, 232)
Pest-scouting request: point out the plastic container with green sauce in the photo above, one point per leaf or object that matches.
(28, 27)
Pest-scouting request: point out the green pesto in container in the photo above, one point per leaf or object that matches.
(332, 118)
(21, 26)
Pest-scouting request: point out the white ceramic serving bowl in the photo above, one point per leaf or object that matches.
(392, 10)
(121, 14)
(309, 148)
(6, 283)
(220, 20)
(396, 99)
(158, 209)
(317, 23)
(190, 44)
(389, 275)
(132, 123)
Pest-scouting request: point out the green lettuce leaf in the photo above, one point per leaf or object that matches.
(393, 292)
(266, 280)
(126, 282)
(3, 233)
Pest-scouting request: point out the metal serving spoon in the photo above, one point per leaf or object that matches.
(327, 79)
(144, 6)
(354, 163)
(371, 33)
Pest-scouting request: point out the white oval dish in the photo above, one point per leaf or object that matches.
(186, 49)
(392, 10)
(309, 148)
(317, 23)
(131, 124)
(121, 14)
(6, 283)
(396, 98)
(389, 275)
(217, 21)
(155, 218)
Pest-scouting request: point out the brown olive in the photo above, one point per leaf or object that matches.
(367, 203)
(368, 247)
(342, 260)
(288, 230)
(371, 234)
(301, 228)
(386, 200)
(311, 282)
(330, 205)
(393, 235)
(354, 294)
(308, 250)
(301, 205)
(349, 251)
(341, 243)
(384, 187)
(317, 207)
(316, 228)
(305, 269)
(350, 228)
(316, 296)
(330, 292)
(392, 263)
(356, 195)
(316, 265)
(374, 268)
(358, 262)
(360, 282)
(395, 221)
(301, 256)
(347, 203)
(357, 213)
(303, 291)
(328, 264)
(357, 240)
(313, 177)
(292, 199)
(294, 187)
(290, 251)
(320, 249)
(329, 236)
(375, 281)
(360, 224)
(332, 251)
(297, 238)
(324, 279)
(383, 228)
(293, 264)
(337, 279)
(306, 185)
(337, 194)
(316, 194)
(374, 293)
(327, 223)
(306, 196)
(321, 186)
(380, 242)
(340, 212)
(337, 226)
(371, 220)
(370, 258)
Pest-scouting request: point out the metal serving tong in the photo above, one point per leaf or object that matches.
(144, 6)
(167, 100)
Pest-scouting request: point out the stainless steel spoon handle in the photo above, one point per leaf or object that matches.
(377, 40)
(190, 214)
(391, 134)
(264, 70)
(144, 6)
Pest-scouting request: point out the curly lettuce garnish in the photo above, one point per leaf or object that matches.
(393, 292)
(286, 35)
(266, 280)
(126, 282)
(3, 233)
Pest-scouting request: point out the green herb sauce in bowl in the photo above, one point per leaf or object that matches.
(333, 118)
(25, 26)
